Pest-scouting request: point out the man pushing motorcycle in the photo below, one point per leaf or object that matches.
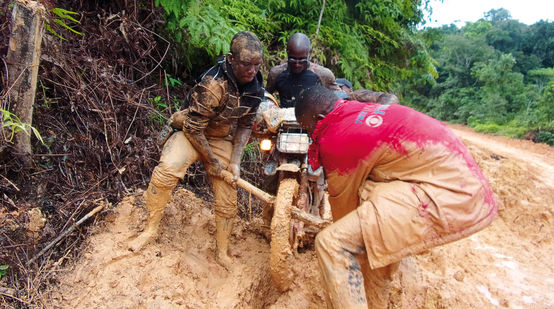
(363, 95)
(298, 73)
(226, 97)
(399, 181)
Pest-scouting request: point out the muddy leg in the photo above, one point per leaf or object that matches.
(337, 247)
(224, 227)
(377, 282)
(225, 205)
(177, 155)
(156, 199)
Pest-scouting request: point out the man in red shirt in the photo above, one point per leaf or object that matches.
(400, 182)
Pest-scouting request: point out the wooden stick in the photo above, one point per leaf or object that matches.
(310, 219)
(69, 230)
(249, 206)
(11, 183)
(319, 20)
(7, 291)
(259, 193)
(11, 293)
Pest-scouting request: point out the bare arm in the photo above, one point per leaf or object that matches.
(271, 77)
(373, 96)
(327, 77)
(239, 142)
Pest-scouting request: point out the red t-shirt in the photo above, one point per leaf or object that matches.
(349, 134)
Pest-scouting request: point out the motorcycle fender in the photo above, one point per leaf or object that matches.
(288, 167)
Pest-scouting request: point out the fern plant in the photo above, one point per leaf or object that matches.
(197, 27)
(63, 18)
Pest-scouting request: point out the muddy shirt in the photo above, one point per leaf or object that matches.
(217, 104)
(359, 142)
(289, 85)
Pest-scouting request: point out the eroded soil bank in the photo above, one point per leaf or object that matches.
(507, 265)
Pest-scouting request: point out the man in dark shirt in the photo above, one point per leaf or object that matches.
(298, 73)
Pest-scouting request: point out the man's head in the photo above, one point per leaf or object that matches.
(313, 105)
(345, 85)
(245, 56)
(298, 52)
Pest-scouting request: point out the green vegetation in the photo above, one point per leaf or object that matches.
(496, 75)
(372, 43)
(3, 269)
(61, 18)
(12, 125)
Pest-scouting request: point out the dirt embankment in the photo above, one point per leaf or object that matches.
(507, 265)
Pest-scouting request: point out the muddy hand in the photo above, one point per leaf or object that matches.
(235, 169)
(214, 168)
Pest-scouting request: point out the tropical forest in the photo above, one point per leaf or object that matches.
(88, 87)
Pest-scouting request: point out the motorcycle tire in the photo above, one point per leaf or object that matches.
(280, 261)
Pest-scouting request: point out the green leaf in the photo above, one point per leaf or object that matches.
(37, 135)
(47, 26)
(3, 269)
(61, 23)
(65, 14)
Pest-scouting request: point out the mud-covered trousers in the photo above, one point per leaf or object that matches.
(178, 154)
(348, 279)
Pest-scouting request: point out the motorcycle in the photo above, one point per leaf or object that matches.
(301, 207)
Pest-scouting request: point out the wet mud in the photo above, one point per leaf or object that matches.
(507, 265)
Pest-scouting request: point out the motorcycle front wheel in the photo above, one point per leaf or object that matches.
(280, 261)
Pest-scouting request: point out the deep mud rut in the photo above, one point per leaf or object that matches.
(507, 265)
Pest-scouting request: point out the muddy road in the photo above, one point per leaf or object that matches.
(507, 265)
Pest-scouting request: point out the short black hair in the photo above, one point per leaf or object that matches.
(316, 98)
(245, 40)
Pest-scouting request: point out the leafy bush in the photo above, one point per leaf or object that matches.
(371, 43)
(546, 137)
(510, 129)
(490, 77)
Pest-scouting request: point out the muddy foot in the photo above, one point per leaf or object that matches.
(138, 243)
(224, 260)
(234, 253)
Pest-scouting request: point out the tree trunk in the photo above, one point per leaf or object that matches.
(23, 60)
(320, 17)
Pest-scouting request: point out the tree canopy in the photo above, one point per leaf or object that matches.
(494, 75)
(372, 43)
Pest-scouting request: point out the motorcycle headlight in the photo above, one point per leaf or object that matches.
(293, 143)
(265, 144)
